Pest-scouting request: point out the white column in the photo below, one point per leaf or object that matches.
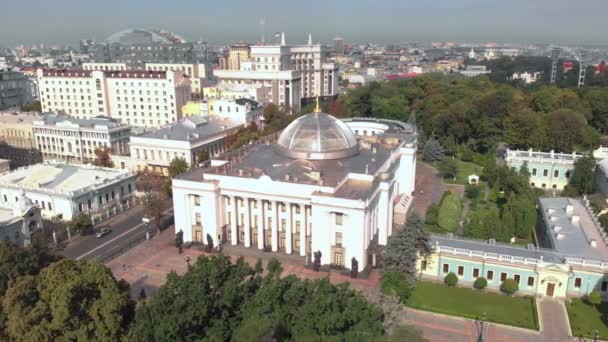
(288, 247)
(274, 226)
(260, 223)
(302, 230)
(233, 221)
(247, 224)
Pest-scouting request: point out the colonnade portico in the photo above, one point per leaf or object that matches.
(247, 214)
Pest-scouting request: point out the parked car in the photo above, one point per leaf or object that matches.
(103, 232)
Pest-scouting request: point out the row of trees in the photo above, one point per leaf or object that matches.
(479, 112)
(46, 298)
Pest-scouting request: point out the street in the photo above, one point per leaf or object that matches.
(127, 230)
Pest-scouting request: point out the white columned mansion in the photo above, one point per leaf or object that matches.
(326, 185)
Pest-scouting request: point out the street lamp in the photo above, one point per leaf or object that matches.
(596, 336)
(481, 322)
(146, 220)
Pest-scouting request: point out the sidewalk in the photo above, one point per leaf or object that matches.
(553, 319)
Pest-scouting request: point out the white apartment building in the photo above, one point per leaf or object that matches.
(200, 74)
(67, 190)
(154, 150)
(319, 188)
(137, 98)
(60, 137)
(319, 78)
(241, 110)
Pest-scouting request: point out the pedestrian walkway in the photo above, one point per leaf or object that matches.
(553, 319)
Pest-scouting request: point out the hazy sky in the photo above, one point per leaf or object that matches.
(551, 21)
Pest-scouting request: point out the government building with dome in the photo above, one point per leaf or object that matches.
(326, 185)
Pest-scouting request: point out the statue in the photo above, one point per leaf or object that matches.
(209, 243)
(354, 268)
(317, 261)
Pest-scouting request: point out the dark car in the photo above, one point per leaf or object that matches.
(103, 232)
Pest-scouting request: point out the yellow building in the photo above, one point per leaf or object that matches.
(17, 141)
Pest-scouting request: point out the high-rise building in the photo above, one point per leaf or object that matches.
(15, 89)
(137, 98)
(339, 48)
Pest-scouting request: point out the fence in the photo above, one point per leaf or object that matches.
(121, 250)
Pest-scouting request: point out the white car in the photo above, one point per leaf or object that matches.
(103, 232)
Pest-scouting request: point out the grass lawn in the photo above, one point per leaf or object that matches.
(470, 303)
(586, 318)
(433, 228)
(465, 169)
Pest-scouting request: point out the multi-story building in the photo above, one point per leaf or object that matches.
(237, 54)
(200, 74)
(474, 70)
(571, 260)
(548, 170)
(66, 190)
(138, 98)
(339, 48)
(17, 141)
(15, 89)
(319, 188)
(319, 78)
(135, 47)
(60, 137)
(91, 66)
(186, 139)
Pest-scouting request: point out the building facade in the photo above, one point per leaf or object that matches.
(60, 137)
(572, 262)
(19, 222)
(200, 74)
(66, 190)
(186, 139)
(17, 141)
(548, 170)
(319, 188)
(15, 89)
(137, 98)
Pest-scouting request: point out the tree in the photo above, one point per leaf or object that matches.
(525, 129)
(202, 156)
(448, 167)
(509, 286)
(69, 300)
(81, 224)
(432, 150)
(566, 129)
(581, 179)
(401, 255)
(471, 191)
(153, 209)
(451, 279)
(270, 111)
(337, 109)
(177, 166)
(480, 283)
(432, 212)
(102, 157)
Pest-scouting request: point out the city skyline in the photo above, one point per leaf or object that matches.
(387, 21)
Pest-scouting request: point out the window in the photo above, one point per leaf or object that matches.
(516, 278)
(604, 286)
(338, 239)
(556, 173)
(476, 273)
(460, 270)
(577, 283)
(198, 218)
(545, 172)
(503, 276)
(283, 224)
(197, 200)
(423, 265)
(339, 219)
(534, 172)
(530, 281)
(544, 185)
(446, 268)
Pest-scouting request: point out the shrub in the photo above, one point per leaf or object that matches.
(594, 298)
(448, 167)
(471, 191)
(431, 214)
(467, 155)
(451, 279)
(509, 286)
(394, 284)
(480, 283)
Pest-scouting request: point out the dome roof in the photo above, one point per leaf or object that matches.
(318, 136)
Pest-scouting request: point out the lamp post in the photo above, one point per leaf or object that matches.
(481, 322)
(146, 220)
(596, 335)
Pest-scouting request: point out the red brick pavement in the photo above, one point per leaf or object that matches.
(429, 188)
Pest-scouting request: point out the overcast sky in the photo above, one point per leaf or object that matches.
(521, 21)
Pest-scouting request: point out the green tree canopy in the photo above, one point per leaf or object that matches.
(177, 166)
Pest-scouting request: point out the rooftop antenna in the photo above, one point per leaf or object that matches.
(554, 57)
(262, 23)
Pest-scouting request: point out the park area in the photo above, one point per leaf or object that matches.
(586, 318)
(457, 301)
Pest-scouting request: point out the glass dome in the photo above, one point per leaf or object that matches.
(318, 136)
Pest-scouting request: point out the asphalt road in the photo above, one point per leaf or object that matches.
(127, 231)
